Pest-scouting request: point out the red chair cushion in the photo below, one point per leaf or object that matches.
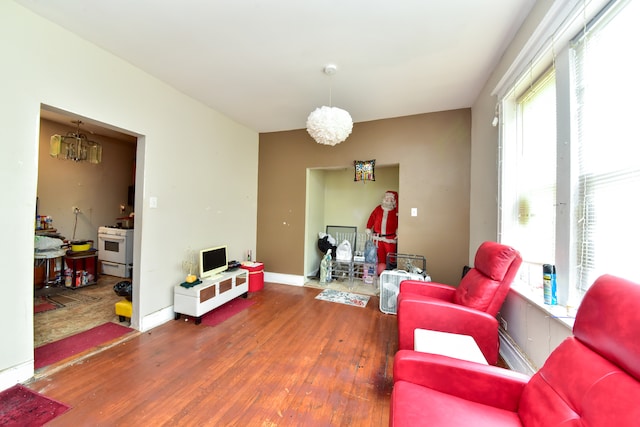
(414, 405)
(476, 291)
(493, 259)
(614, 335)
(481, 285)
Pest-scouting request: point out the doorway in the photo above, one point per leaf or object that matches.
(334, 198)
(78, 197)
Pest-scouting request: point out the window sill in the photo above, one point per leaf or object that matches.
(563, 314)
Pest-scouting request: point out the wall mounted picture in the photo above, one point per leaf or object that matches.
(364, 170)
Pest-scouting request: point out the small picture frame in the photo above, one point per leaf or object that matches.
(364, 170)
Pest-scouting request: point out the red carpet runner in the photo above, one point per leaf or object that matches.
(75, 344)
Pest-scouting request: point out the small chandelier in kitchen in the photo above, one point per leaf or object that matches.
(329, 125)
(75, 146)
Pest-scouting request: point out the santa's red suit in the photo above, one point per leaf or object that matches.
(383, 223)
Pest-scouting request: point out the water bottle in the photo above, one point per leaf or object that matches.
(549, 284)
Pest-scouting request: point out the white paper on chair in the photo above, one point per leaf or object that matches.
(453, 345)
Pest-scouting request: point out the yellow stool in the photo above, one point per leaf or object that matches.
(124, 309)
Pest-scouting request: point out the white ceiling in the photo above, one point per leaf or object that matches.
(261, 62)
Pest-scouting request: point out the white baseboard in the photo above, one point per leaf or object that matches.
(16, 374)
(157, 318)
(513, 356)
(285, 279)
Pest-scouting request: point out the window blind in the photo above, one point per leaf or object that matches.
(608, 188)
(534, 223)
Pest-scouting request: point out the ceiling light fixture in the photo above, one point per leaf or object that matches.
(329, 125)
(75, 146)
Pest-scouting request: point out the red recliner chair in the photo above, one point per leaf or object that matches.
(469, 309)
(590, 379)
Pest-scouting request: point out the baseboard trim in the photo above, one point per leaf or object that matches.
(16, 374)
(156, 319)
(285, 279)
(513, 356)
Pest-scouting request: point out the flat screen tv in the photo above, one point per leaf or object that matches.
(212, 261)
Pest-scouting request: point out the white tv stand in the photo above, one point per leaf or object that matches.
(200, 299)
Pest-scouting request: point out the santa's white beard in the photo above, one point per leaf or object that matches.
(387, 206)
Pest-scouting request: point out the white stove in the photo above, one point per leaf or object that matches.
(115, 251)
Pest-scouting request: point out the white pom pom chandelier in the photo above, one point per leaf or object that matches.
(329, 125)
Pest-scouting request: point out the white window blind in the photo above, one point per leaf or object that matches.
(537, 171)
(532, 176)
(606, 73)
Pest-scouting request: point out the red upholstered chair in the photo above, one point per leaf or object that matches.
(469, 309)
(590, 379)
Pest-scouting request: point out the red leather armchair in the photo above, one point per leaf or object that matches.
(590, 379)
(469, 309)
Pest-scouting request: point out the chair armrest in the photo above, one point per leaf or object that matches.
(415, 312)
(428, 289)
(485, 384)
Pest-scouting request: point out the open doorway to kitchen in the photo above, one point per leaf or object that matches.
(78, 192)
(333, 198)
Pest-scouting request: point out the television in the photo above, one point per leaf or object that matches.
(212, 261)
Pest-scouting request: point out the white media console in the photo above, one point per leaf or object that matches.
(211, 293)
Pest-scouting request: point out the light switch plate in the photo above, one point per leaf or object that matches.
(414, 211)
(153, 202)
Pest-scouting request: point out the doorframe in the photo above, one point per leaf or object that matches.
(136, 317)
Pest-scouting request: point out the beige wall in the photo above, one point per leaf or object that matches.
(198, 165)
(97, 190)
(433, 154)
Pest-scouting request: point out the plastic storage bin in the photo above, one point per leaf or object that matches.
(256, 275)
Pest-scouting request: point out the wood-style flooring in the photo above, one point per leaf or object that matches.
(288, 360)
(80, 309)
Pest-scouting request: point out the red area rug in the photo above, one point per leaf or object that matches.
(225, 311)
(20, 406)
(75, 344)
(43, 304)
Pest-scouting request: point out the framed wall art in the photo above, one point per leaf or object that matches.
(364, 170)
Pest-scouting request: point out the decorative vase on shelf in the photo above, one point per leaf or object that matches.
(189, 266)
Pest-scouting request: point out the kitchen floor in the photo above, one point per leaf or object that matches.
(77, 310)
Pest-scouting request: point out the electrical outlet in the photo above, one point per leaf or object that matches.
(75, 210)
(503, 324)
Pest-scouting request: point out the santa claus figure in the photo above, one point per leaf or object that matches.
(383, 224)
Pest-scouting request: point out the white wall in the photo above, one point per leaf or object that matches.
(201, 167)
(530, 327)
(536, 332)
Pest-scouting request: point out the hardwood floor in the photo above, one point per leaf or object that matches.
(287, 360)
(83, 308)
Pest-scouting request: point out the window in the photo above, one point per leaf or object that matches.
(532, 188)
(570, 151)
(608, 189)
